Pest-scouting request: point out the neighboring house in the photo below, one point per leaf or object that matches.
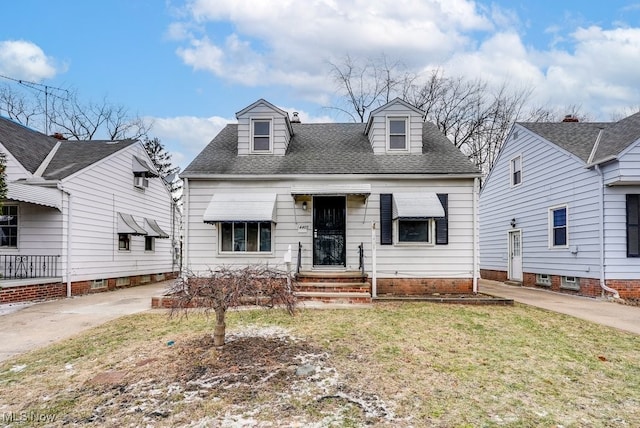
(561, 208)
(80, 217)
(390, 201)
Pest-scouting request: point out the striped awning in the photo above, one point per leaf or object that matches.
(127, 225)
(33, 194)
(331, 189)
(153, 229)
(417, 206)
(229, 207)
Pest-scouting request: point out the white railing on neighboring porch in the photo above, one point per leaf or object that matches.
(13, 266)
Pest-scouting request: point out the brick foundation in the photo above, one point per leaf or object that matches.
(423, 286)
(589, 287)
(58, 290)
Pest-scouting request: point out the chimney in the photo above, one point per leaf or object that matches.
(570, 118)
(295, 118)
(58, 136)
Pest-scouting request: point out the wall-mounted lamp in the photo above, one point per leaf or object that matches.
(304, 205)
(513, 222)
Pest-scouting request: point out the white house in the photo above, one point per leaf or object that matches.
(561, 208)
(80, 217)
(386, 206)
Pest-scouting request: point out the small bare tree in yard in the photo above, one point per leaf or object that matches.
(227, 288)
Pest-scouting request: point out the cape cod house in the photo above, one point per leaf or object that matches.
(80, 217)
(386, 206)
(561, 208)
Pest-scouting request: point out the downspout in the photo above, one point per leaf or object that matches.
(69, 234)
(185, 224)
(603, 284)
(475, 234)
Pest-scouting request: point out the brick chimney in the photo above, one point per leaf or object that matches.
(58, 136)
(570, 118)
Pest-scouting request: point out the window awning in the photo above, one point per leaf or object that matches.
(141, 167)
(331, 189)
(127, 225)
(241, 207)
(153, 229)
(32, 194)
(417, 206)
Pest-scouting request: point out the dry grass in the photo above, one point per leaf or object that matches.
(400, 365)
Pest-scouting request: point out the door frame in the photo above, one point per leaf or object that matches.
(314, 235)
(515, 264)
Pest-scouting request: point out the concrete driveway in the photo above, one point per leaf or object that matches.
(603, 312)
(31, 326)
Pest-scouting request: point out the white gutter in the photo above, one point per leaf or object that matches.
(336, 177)
(476, 239)
(603, 285)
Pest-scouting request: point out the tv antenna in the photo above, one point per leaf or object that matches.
(46, 90)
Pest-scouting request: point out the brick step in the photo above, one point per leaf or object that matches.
(333, 297)
(331, 276)
(333, 286)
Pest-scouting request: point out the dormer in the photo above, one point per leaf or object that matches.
(263, 129)
(395, 128)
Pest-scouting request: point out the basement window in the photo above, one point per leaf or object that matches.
(543, 279)
(570, 283)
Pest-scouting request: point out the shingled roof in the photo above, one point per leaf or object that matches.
(579, 138)
(330, 148)
(30, 148)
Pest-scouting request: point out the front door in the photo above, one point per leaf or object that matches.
(329, 231)
(515, 255)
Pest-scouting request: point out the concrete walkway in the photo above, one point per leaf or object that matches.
(603, 312)
(31, 326)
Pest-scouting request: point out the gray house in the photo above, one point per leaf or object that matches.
(386, 206)
(561, 208)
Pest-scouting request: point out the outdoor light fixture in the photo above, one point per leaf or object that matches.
(513, 222)
(304, 205)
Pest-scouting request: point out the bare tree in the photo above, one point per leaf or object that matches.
(226, 288)
(16, 106)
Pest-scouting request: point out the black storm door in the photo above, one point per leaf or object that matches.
(329, 227)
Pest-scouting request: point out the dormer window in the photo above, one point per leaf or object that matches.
(397, 136)
(261, 138)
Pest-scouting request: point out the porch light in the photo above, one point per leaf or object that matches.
(304, 205)
(513, 222)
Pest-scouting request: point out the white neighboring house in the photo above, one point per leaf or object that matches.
(560, 208)
(81, 217)
(387, 206)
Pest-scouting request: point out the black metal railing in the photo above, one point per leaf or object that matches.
(361, 258)
(299, 264)
(19, 267)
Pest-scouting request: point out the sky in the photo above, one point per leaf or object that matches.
(187, 66)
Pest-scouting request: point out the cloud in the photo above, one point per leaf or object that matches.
(20, 59)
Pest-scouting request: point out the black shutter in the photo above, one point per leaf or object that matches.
(633, 226)
(442, 224)
(386, 222)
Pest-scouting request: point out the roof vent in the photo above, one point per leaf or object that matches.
(570, 118)
(295, 118)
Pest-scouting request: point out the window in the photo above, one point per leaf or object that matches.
(397, 127)
(413, 230)
(516, 171)
(570, 282)
(124, 241)
(245, 237)
(261, 135)
(558, 222)
(149, 243)
(9, 226)
(633, 226)
(442, 224)
(543, 279)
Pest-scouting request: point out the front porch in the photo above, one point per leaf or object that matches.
(333, 286)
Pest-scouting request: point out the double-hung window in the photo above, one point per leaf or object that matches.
(398, 135)
(261, 135)
(633, 225)
(9, 226)
(243, 237)
(124, 242)
(558, 228)
(516, 170)
(149, 243)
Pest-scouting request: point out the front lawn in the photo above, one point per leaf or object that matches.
(395, 364)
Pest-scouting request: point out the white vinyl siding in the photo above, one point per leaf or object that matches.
(295, 225)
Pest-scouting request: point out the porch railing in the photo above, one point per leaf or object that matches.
(20, 267)
(299, 264)
(361, 258)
